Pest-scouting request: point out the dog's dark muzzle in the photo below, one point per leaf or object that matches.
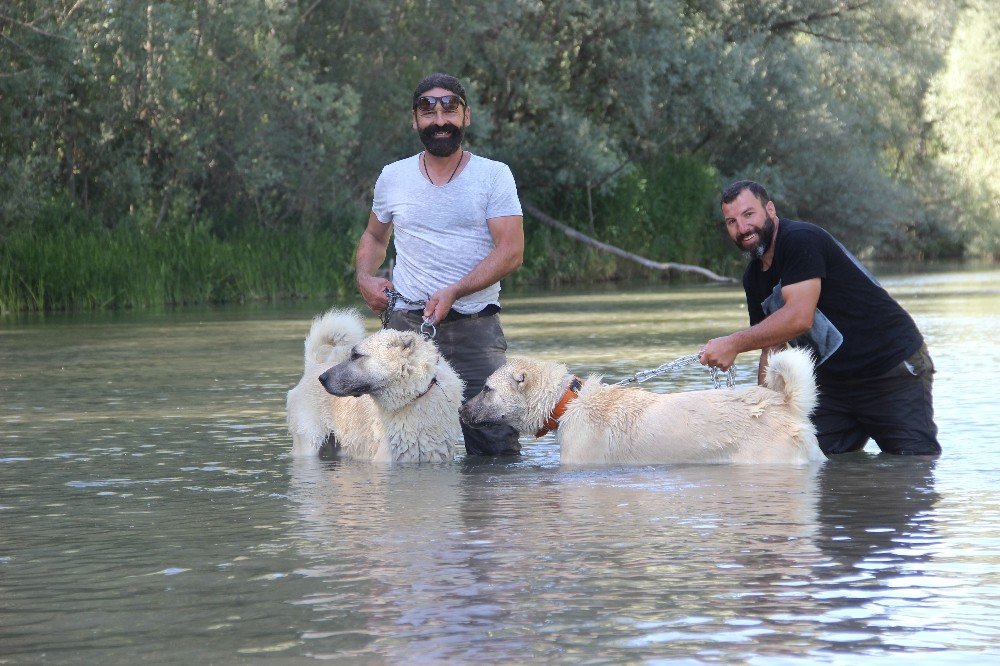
(334, 385)
(470, 414)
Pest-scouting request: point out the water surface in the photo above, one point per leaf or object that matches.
(149, 509)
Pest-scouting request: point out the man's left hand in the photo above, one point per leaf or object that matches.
(439, 304)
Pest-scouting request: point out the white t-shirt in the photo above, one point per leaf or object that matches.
(440, 232)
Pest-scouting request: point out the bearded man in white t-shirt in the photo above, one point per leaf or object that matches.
(456, 225)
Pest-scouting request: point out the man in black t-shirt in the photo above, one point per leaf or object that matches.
(804, 288)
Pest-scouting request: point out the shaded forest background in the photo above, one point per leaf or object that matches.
(214, 150)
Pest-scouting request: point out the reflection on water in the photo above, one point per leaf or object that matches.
(579, 561)
(149, 509)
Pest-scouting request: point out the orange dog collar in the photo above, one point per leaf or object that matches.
(568, 396)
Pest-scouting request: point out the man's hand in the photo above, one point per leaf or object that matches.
(439, 304)
(786, 323)
(373, 291)
(719, 353)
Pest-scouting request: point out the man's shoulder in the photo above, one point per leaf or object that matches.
(487, 161)
(795, 232)
(799, 227)
(487, 165)
(400, 165)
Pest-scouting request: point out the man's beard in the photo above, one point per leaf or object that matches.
(442, 146)
(765, 234)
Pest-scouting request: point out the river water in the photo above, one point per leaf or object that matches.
(149, 509)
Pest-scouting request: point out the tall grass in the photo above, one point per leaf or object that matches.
(127, 268)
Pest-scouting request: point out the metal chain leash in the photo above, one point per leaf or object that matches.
(427, 329)
(392, 297)
(676, 364)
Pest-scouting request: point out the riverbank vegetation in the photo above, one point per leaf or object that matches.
(212, 150)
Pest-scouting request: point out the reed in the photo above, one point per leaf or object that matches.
(128, 268)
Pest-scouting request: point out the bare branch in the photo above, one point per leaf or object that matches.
(304, 15)
(827, 38)
(10, 19)
(795, 24)
(604, 247)
(71, 11)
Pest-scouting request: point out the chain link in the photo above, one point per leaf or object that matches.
(427, 329)
(676, 364)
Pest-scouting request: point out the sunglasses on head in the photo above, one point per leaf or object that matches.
(449, 104)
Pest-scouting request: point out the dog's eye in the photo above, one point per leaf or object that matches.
(355, 355)
(487, 389)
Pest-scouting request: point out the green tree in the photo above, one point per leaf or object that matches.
(148, 112)
(279, 114)
(964, 111)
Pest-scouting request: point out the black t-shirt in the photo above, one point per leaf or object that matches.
(858, 330)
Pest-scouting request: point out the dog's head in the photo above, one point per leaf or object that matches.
(521, 394)
(386, 362)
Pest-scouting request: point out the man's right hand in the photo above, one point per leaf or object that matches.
(373, 291)
(719, 353)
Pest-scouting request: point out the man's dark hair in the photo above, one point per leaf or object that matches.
(439, 80)
(730, 193)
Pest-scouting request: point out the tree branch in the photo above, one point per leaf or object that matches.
(604, 247)
(71, 11)
(14, 21)
(793, 24)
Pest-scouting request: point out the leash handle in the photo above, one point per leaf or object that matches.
(427, 329)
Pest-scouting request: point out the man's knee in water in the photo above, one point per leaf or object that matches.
(497, 440)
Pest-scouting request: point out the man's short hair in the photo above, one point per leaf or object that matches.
(730, 193)
(439, 80)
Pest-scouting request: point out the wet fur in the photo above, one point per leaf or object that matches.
(607, 424)
(363, 394)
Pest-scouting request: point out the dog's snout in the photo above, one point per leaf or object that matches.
(322, 378)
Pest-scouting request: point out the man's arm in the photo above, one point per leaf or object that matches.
(791, 320)
(506, 257)
(765, 358)
(372, 248)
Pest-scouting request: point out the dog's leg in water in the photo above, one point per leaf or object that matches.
(328, 449)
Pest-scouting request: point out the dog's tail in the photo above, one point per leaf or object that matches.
(790, 372)
(332, 335)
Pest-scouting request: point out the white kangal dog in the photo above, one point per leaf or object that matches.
(600, 424)
(390, 397)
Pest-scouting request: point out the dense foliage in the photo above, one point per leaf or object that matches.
(148, 123)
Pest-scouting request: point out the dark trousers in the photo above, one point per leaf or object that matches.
(475, 347)
(894, 409)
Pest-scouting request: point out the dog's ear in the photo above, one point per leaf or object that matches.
(406, 342)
